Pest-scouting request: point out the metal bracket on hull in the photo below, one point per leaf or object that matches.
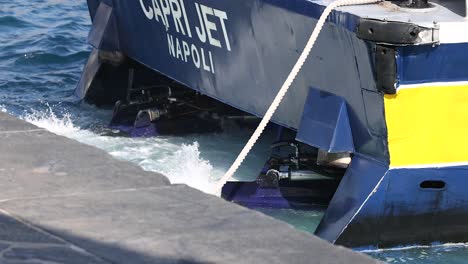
(385, 69)
(396, 33)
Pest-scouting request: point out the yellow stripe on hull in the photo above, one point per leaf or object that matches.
(427, 125)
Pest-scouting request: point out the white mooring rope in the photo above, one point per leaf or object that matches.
(287, 83)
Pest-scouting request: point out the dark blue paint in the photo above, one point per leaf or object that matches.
(146, 131)
(325, 123)
(363, 174)
(404, 194)
(249, 194)
(298, 195)
(377, 207)
(442, 63)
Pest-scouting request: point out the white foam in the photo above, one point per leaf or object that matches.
(181, 163)
(185, 166)
(50, 121)
(412, 247)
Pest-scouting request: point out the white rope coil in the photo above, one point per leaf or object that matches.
(284, 88)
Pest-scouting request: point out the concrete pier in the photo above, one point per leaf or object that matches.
(66, 202)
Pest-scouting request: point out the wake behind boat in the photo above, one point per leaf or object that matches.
(372, 128)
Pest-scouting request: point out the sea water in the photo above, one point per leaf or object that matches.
(42, 52)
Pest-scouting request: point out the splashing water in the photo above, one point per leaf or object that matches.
(186, 166)
(49, 120)
(180, 163)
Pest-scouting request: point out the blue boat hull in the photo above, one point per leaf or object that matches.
(240, 52)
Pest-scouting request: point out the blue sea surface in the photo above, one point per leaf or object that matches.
(43, 49)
